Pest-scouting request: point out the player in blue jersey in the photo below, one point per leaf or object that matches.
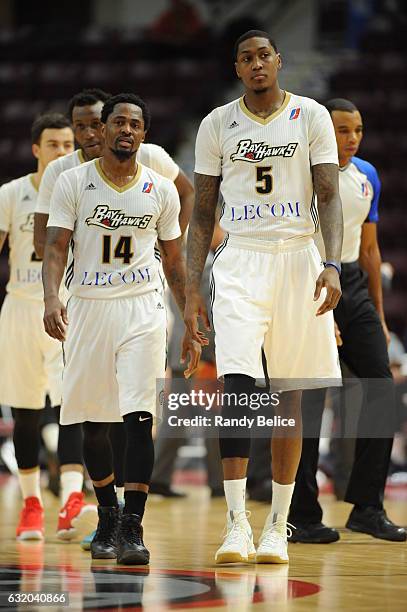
(361, 324)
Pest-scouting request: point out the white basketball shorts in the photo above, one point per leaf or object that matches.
(30, 361)
(263, 297)
(114, 354)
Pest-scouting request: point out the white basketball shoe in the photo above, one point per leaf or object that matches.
(273, 546)
(238, 546)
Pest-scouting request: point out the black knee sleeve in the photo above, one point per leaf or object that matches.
(97, 451)
(233, 441)
(70, 442)
(117, 435)
(139, 458)
(26, 437)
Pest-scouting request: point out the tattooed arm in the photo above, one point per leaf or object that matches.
(325, 179)
(174, 269)
(55, 255)
(199, 241)
(201, 228)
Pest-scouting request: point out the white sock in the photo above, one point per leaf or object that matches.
(120, 494)
(50, 435)
(30, 484)
(71, 482)
(280, 505)
(235, 493)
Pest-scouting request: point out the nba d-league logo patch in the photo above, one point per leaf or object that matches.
(147, 187)
(295, 113)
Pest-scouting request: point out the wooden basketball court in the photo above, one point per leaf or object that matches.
(356, 573)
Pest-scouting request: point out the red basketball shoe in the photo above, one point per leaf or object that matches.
(31, 525)
(76, 518)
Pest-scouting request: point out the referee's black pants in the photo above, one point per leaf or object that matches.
(364, 351)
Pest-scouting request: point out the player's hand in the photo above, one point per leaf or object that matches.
(194, 307)
(193, 349)
(55, 318)
(329, 278)
(386, 332)
(338, 336)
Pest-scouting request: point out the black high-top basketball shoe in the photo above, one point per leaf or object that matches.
(130, 545)
(104, 544)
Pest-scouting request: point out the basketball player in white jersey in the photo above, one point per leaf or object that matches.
(84, 111)
(273, 152)
(31, 362)
(114, 327)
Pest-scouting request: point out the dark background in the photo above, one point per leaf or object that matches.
(181, 64)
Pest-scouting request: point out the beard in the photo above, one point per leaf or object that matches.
(122, 155)
(260, 91)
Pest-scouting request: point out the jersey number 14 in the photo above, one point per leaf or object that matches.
(122, 250)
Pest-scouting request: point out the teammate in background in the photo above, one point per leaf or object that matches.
(363, 330)
(30, 362)
(114, 328)
(84, 111)
(272, 150)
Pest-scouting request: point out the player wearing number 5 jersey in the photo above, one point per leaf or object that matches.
(114, 210)
(273, 151)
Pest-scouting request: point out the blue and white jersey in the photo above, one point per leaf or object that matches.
(359, 188)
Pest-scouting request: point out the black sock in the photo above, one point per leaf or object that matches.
(106, 495)
(118, 441)
(134, 502)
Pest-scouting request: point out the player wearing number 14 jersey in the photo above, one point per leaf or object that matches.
(114, 327)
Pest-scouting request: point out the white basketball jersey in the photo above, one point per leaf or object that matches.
(359, 188)
(114, 229)
(265, 165)
(17, 206)
(150, 155)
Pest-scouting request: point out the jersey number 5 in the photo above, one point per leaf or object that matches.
(122, 250)
(264, 180)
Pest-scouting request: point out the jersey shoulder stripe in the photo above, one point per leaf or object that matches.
(370, 171)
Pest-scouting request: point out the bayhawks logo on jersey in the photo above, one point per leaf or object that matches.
(28, 226)
(105, 217)
(253, 152)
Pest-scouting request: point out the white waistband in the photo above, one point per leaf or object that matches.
(272, 246)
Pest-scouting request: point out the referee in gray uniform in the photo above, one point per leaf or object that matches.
(363, 333)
